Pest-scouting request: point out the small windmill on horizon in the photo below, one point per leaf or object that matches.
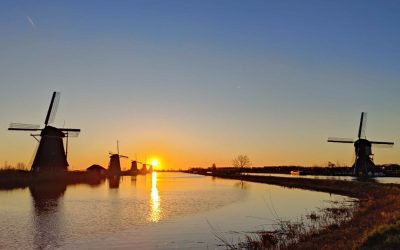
(114, 167)
(364, 163)
(50, 155)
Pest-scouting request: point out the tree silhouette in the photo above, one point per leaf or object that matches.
(241, 161)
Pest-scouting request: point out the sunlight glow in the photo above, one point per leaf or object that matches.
(154, 163)
(155, 210)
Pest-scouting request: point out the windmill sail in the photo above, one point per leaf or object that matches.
(382, 143)
(340, 140)
(363, 123)
(23, 127)
(69, 133)
(51, 113)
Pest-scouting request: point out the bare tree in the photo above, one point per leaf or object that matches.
(213, 167)
(21, 166)
(241, 161)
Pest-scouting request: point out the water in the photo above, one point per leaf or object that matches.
(156, 211)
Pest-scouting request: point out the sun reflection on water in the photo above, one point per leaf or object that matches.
(155, 210)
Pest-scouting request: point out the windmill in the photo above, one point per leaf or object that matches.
(144, 166)
(114, 167)
(143, 170)
(364, 158)
(50, 155)
(134, 165)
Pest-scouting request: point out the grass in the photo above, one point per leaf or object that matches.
(284, 234)
(374, 224)
(384, 237)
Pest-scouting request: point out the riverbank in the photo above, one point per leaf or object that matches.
(376, 221)
(13, 179)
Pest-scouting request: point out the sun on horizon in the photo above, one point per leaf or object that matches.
(155, 163)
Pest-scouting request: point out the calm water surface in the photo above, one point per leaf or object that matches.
(156, 211)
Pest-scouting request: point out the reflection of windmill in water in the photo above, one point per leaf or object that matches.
(50, 155)
(364, 158)
(48, 231)
(114, 167)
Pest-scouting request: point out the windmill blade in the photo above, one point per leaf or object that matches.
(23, 126)
(340, 140)
(70, 129)
(25, 129)
(72, 133)
(123, 156)
(51, 113)
(382, 143)
(361, 129)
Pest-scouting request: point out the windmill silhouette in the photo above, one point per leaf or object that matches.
(50, 155)
(114, 167)
(134, 165)
(364, 163)
(135, 169)
(144, 169)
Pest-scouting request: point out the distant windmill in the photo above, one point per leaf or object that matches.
(134, 166)
(50, 155)
(114, 166)
(144, 166)
(364, 161)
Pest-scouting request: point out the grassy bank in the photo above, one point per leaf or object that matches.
(375, 223)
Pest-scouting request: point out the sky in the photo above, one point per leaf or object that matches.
(192, 83)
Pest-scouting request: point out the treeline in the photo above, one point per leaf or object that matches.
(388, 169)
(275, 170)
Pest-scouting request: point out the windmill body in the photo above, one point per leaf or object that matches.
(114, 166)
(134, 167)
(143, 170)
(50, 156)
(363, 164)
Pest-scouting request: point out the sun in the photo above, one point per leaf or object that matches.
(154, 163)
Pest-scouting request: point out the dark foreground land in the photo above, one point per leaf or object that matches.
(375, 223)
(12, 179)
